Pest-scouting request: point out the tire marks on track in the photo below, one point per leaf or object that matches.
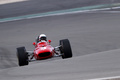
(6, 60)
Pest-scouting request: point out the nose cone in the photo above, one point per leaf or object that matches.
(44, 52)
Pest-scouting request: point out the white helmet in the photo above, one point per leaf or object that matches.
(42, 37)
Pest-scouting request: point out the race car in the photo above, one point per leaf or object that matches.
(44, 50)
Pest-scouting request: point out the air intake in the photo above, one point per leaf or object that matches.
(44, 54)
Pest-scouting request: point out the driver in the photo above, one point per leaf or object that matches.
(41, 38)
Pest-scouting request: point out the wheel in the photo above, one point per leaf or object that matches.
(65, 48)
(22, 56)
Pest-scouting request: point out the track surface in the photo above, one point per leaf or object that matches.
(89, 33)
(98, 65)
(39, 6)
(23, 33)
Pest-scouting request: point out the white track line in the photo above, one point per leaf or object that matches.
(107, 78)
(58, 14)
(61, 13)
(10, 1)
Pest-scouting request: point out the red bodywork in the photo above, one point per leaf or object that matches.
(43, 50)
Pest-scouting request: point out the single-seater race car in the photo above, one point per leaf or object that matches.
(44, 50)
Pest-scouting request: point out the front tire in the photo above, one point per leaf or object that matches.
(22, 56)
(65, 48)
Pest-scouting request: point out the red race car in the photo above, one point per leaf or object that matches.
(44, 50)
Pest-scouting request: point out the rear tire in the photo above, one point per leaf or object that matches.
(22, 56)
(65, 48)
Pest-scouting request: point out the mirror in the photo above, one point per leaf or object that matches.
(34, 43)
(49, 41)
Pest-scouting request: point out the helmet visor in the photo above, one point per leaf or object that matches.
(43, 38)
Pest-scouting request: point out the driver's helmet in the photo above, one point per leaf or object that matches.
(42, 37)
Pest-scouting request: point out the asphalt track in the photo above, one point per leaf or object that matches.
(41, 6)
(9, 34)
(90, 35)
